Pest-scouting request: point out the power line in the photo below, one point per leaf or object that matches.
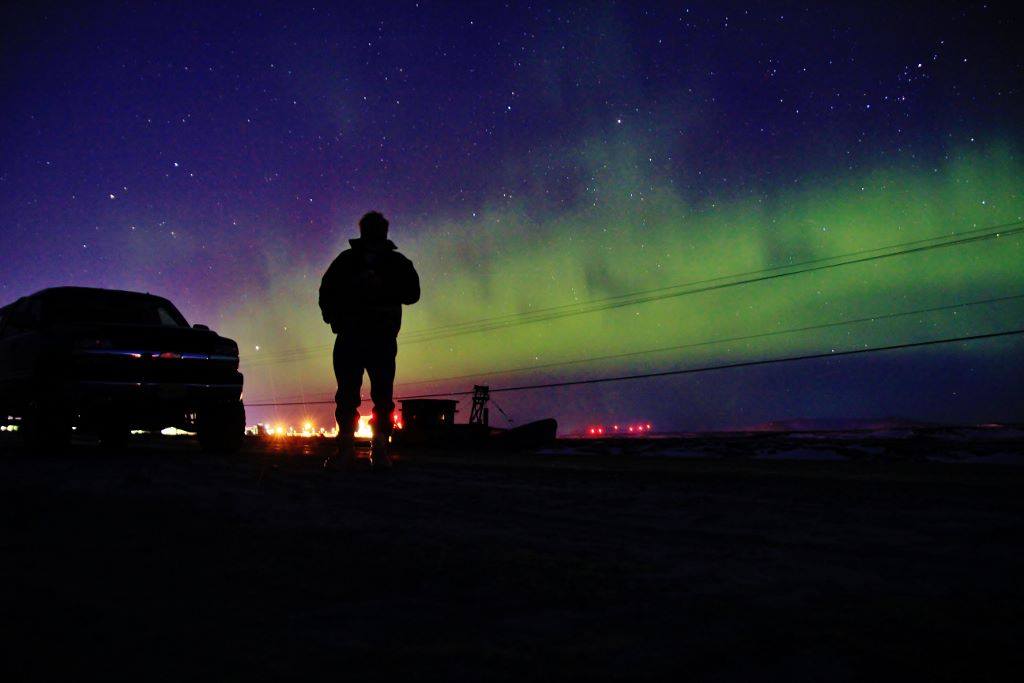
(646, 296)
(666, 288)
(767, 361)
(722, 340)
(657, 297)
(707, 368)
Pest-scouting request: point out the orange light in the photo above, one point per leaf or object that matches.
(365, 429)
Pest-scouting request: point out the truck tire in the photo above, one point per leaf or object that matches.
(113, 434)
(221, 427)
(46, 424)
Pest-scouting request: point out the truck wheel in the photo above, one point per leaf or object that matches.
(113, 434)
(46, 424)
(221, 427)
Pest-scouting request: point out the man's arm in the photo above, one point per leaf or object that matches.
(409, 290)
(329, 294)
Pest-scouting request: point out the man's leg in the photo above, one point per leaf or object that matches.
(380, 365)
(348, 370)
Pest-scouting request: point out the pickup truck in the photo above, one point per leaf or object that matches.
(107, 361)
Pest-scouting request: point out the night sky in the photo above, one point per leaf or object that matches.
(532, 155)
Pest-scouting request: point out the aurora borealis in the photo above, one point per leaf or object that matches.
(531, 156)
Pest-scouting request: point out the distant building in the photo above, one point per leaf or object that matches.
(425, 414)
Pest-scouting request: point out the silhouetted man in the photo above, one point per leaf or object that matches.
(361, 297)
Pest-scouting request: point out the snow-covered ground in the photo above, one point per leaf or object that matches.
(998, 444)
(739, 557)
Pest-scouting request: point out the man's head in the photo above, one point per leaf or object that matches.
(373, 227)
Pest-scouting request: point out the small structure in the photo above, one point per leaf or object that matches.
(424, 413)
(431, 423)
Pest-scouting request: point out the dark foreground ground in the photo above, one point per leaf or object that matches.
(161, 563)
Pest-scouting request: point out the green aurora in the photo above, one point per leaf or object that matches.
(627, 230)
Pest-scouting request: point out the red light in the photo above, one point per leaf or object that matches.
(600, 430)
(591, 431)
(631, 430)
(648, 426)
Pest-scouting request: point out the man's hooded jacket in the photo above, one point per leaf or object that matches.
(363, 290)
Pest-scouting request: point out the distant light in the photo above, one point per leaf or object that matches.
(365, 430)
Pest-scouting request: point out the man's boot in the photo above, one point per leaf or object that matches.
(380, 452)
(344, 457)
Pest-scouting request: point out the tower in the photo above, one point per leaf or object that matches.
(480, 415)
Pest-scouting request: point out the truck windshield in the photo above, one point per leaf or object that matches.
(111, 308)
